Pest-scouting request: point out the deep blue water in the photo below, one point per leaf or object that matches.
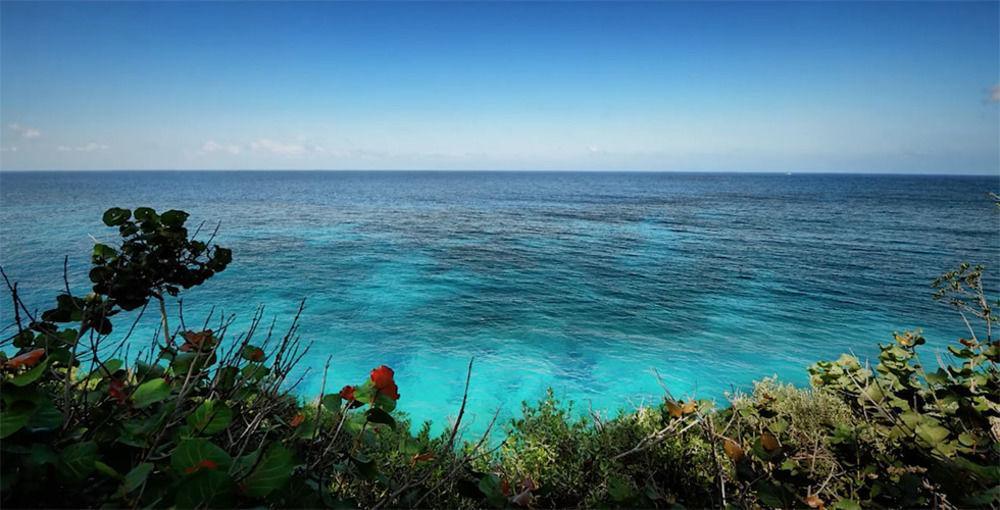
(583, 282)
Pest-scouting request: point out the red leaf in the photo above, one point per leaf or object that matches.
(27, 360)
(347, 393)
(297, 420)
(196, 338)
(257, 355)
(117, 391)
(203, 464)
(382, 377)
(390, 391)
(421, 457)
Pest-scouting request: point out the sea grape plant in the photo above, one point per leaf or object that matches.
(209, 422)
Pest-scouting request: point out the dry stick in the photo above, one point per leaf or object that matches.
(968, 325)
(180, 314)
(20, 302)
(467, 459)
(461, 410)
(336, 433)
(710, 432)
(448, 447)
(185, 387)
(322, 390)
(656, 438)
(163, 316)
(17, 314)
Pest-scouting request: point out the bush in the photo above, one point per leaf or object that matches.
(205, 419)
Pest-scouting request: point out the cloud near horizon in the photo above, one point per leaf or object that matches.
(284, 148)
(213, 146)
(24, 131)
(88, 147)
(263, 146)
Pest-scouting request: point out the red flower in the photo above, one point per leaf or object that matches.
(204, 464)
(347, 393)
(297, 420)
(382, 378)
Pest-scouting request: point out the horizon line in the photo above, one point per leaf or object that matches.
(503, 170)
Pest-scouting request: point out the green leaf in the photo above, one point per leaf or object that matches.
(252, 353)
(76, 462)
(188, 456)
(770, 494)
(332, 402)
(116, 216)
(243, 464)
(109, 368)
(271, 473)
(489, 485)
(365, 393)
(137, 476)
(151, 392)
(40, 455)
(932, 434)
(173, 218)
(31, 375)
(206, 488)
(377, 415)
(210, 417)
(227, 377)
(46, 416)
(846, 504)
(107, 470)
(385, 402)
(103, 252)
(15, 417)
(619, 489)
(145, 214)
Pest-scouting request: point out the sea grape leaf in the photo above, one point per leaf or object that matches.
(210, 417)
(46, 416)
(206, 488)
(151, 392)
(31, 375)
(271, 473)
(116, 216)
(137, 476)
(377, 415)
(190, 455)
(15, 417)
(76, 462)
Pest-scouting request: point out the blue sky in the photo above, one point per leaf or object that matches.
(832, 87)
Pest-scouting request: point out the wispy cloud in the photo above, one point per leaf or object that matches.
(24, 131)
(213, 146)
(285, 148)
(8, 149)
(89, 147)
(995, 94)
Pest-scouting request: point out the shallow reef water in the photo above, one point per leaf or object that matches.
(582, 282)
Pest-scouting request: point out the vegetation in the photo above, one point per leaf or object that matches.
(204, 418)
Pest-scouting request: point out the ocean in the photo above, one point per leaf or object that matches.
(581, 282)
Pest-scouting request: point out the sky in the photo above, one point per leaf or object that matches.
(769, 87)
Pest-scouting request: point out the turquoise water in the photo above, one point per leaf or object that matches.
(583, 282)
